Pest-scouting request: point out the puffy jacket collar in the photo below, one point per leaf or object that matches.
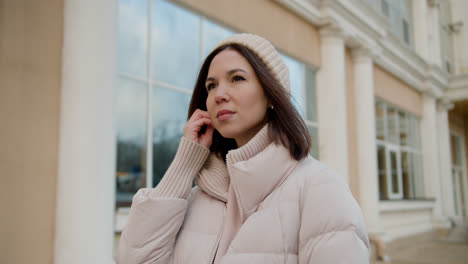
(255, 170)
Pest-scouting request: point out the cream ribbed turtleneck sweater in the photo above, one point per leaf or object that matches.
(192, 159)
(213, 178)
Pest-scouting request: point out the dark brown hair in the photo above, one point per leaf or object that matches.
(286, 125)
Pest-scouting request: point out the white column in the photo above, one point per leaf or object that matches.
(332, 102)
(86, 170)
(366, 139)
(446, 185)
(430, 149)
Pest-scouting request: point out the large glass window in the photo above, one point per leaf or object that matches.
(161, 47)
(398, 153)
(302, 81)
(155, 86)
(399, 14)
(131, 148)
(458, 174)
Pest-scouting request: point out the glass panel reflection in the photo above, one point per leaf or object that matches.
(175, 44)
(406, 174)
(310, 89)
(453, 149)
(169, 111)
(296, 83)
(403, 129)
(380, 120)
(382, 172)
(418, 176)
(455, 187)
(133, 35)
(411, 132)
(313, 132)
(213, 34)
(394, 172)
(458, 150)
(131, 131)
(392, 125)
(417, 133)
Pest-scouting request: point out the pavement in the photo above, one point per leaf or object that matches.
(430, 248)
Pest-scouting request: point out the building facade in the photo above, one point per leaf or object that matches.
(94, 95)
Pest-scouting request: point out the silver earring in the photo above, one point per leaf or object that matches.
(271, 107)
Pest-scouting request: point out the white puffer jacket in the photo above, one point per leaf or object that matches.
(291, 212)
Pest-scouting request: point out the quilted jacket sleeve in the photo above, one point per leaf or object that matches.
(157, 214)
(332, 226)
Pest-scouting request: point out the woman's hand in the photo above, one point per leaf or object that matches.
(194, 125)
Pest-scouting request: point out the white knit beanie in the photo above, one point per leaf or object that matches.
(265, 51)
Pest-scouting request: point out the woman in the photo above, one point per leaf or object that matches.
(259, 196)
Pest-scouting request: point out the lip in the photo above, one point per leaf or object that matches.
(224, 114)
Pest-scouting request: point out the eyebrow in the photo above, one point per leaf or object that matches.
(227, 74)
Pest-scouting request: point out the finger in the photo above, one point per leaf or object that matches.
(207, 138)
(209, 131)
(199, 114)
(201, 122)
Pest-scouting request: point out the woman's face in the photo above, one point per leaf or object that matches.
(236, 102)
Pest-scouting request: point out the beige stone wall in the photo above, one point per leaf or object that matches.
(351, 119)
(286, 31)
(30, 66)
(396, 92)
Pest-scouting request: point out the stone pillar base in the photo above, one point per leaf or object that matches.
(378, 243)
(442, 225)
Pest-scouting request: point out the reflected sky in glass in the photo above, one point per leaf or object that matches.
(403, 128)
(175, 44)
(313, 132)
(131, 130)
(311, 102)
(392, 125)
(213, 34)
(295, 79)
(380, 120)
(131, 110)
(169, 111)
(132, 38)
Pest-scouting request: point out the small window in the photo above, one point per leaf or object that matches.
(385, 8)
(303, 93)
(399, 155)
(406, 31)
(448, 65)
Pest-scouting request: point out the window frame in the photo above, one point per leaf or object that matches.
(149, 80)
(308, 120)
(389, 148)
(396, 12)
(412, 148)
(460, 180)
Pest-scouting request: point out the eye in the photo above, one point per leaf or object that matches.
(237, 78)
(210, 86)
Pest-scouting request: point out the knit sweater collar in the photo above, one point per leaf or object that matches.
(254, 146)
(254, 169)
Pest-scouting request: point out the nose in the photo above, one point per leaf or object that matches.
(222, 94)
